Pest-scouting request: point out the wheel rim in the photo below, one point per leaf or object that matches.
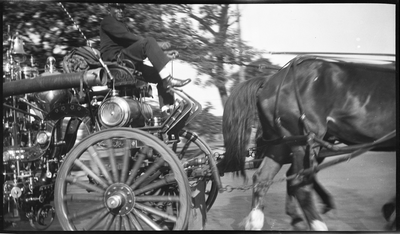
(192, 146)
(116, 180)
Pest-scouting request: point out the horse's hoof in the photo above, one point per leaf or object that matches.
(317, 225)
(299, 225)
(326, 209)
(255, 220)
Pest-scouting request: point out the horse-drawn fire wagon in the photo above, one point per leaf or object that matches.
(84, 144)
(88, 140)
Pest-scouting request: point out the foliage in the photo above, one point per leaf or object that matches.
(47, 30)
(206, 124)
(215, 41)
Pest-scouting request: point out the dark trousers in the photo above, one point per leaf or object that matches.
(149, 48)
(151, 75)
(146, 48)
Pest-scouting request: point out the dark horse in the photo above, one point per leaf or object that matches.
(297, 109)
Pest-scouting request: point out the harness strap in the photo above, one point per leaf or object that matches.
(276, 109)
(292, 64)
(357, 152)
(296, 92)
(332, 147)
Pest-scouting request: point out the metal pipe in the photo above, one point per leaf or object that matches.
(95, 77)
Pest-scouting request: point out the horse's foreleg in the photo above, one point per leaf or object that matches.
(291, 206)
(324, 195)
(303, 191)
(267, 171)
(304, 196)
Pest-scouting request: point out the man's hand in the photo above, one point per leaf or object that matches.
(172, 54)
(164, 45)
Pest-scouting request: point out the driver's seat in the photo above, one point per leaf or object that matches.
(124, 71)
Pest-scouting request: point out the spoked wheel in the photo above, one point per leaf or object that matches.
(121, 179)
(192, 147)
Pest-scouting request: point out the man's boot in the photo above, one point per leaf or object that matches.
(171, 82)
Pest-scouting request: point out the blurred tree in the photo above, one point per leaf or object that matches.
(47, 30)
(214, 41)
(206, 124)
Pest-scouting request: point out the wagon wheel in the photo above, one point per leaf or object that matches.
(191, 146)
(112, 181)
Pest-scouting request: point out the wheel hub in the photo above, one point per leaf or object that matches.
(119, 199)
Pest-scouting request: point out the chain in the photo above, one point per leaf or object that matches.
(260, 185)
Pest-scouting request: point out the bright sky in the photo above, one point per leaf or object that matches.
(346, 28)
(354, 28)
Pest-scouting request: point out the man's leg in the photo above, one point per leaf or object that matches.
(151, 75)
(149, 48)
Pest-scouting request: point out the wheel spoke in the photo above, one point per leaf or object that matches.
(125, 164)
(147, 220)
(151, 178)
(135, 222)
(159, 183)
(157, 198)
(112, 159)
(157, 164)
(83, 197)
(97, 162)
(109, 221)
(155, 211)
(174, 205)
(141, 156)
(89, 187)
(85, 212)
(96, 219)
(125, 223)
(80, 164)
(117, 223)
